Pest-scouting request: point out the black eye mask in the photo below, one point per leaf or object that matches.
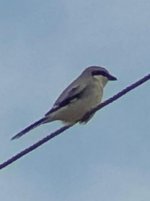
(103, 73)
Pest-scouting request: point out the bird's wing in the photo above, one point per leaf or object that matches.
(70, 94)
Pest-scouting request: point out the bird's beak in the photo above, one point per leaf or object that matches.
(112, 78)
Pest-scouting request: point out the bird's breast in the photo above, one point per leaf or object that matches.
(76, 109)
(96, 92)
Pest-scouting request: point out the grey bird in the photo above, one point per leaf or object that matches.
(83, 94)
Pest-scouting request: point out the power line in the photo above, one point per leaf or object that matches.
(62, 129)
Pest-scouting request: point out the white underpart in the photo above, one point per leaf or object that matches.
(75, 110)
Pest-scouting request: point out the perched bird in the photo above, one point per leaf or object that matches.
(77, 99)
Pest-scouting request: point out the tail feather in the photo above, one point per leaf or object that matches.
(27, 129)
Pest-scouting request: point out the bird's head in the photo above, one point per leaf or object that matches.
(100, 73)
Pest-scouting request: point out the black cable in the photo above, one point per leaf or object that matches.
(62, 129)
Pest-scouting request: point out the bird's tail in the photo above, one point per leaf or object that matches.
(27, 129)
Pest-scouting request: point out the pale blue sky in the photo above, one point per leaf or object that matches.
(43, 46)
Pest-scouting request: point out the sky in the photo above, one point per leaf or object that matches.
(44, 45)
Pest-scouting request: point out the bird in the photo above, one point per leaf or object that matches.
(82, 95)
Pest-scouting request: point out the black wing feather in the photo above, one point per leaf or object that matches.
(72, 96)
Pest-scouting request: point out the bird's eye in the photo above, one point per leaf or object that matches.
(98, 72)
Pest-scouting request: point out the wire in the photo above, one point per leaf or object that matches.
(62, 129)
